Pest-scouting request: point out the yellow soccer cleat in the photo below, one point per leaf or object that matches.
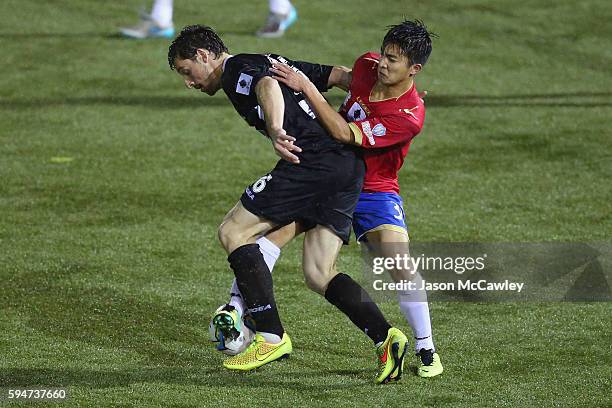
(429, 364)
(259, 353)
(391, 357)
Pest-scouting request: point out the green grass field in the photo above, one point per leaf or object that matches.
(109, 263)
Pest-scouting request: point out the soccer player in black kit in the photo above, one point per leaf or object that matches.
(317, 182)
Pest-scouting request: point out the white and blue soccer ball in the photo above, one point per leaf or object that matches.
(238, 338)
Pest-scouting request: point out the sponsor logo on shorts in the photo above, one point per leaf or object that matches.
(400, 212)
(249, 193)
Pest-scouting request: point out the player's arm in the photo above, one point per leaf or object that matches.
(332, 120)
(340, 77)
(325, 77)
(372, 133)
(270, 98)
(377, 132)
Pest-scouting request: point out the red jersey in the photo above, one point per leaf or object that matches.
(383, 128)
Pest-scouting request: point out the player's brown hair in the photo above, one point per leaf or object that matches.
(192, 37)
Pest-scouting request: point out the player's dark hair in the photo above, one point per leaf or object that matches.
(412, 38)
(192, 37)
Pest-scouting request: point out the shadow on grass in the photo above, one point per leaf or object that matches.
(215, 378)
(50, 301)
(70, 35)
(151, 101)
(570, 99)
(53, 301)
(577, 99)
(23, 377)
(56, 302)
(90, 205)
(110, 35)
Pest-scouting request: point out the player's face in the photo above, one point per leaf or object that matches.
(394, 67)
(198, 72)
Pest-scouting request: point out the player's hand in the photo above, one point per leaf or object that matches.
(422, 95)
(283, 145)
(296, 81)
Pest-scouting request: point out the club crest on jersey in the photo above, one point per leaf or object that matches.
(357, 112)
(243, 86)
(379, 130)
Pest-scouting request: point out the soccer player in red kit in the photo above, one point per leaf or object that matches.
(382, 113)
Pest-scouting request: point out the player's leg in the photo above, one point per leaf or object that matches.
(161, 12)
(270, 246)
(379, 222)
(282, 15)
(241, 227)
(238, 233)
(321, 248)
(154, 25)
(228, 319)
(389, 243)
(230, 315)
(268, 202)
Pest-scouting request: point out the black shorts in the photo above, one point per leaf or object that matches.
(322, 190)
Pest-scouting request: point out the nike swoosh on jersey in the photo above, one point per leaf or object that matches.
(409, 111)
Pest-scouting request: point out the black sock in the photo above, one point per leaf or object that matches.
(346, 294)
(255, 283)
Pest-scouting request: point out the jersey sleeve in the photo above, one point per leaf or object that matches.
(317, 73)
(242, 75)
(385, 131)
(362, 65)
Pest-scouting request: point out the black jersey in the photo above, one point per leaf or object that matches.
(240, 76)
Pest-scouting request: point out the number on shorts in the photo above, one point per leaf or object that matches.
(261, 183)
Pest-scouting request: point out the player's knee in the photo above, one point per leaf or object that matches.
(223, 236)
(316, 285)
(227, 236)
(317, 278)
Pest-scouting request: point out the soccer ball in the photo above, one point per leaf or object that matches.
(233, 338)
